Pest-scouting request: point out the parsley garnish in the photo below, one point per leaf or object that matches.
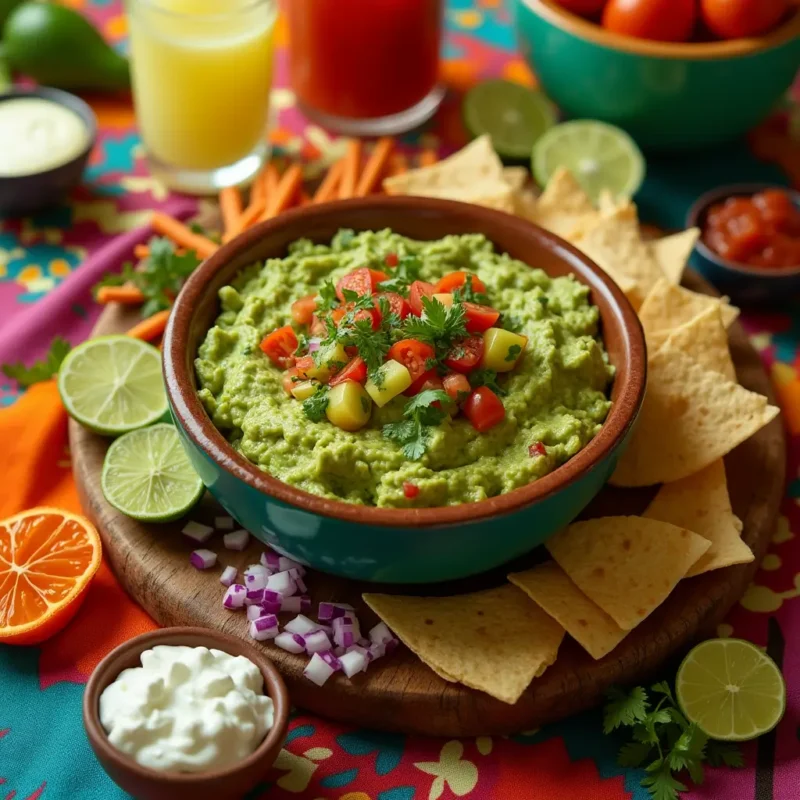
(327, 299)
(413, 432)
(162, 277)
(316, 405)
(487, 378)
(440, 325)
(406, 272)
(513, 352)
(665, 743)
(466, 293)
(41, 370)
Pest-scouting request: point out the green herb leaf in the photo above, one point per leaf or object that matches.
(440, 326)
(513, 352)
(327, 299)
(662, 786)
(413, 432)
(487, 378)
(624, 708)
(316, 405)
(405, 273)
(634, 754)
(302, 345)
(726, 754)
(41, 370)
(467, 294)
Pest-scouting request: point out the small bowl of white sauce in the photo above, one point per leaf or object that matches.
(186, 710)
(46, 136)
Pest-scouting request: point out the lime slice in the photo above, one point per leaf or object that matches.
(148, 476)
(600, 156)
(731, 689)
(513, 116)
(113, 384)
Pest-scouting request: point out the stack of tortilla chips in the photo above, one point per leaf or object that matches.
(609, 574)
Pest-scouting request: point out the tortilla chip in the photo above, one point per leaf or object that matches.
(550, 587)
(672, 253)
(564, 208)
(495, 641)
(704, 339)
(627, 565)
(667, 307)
(515, 177)
(691, 416)
(701, 504)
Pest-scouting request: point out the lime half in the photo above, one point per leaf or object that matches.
(513, 116)
(148, 476)
(113, 384)
(731, 689)
(600, 156)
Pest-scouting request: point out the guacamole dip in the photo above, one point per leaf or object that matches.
(513, 424)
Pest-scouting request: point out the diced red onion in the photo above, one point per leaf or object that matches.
(264, 564)
(347, 621)
(203, 559)
(271, 596)
(377, 650)
(285, 564)
(317, 671)
(364, 642)
(302, 625)
(254, 597)
(266, 621)
(282, 582)
(234, 596)
(391, 645)
(296, 605)
(254, 612)
(290, 642)
(344, 637)
(330, 611)
(314, 343)
(330, 659)
(261, 630)
(319, 626)
(270, 607)
(339, 651)
(352, 663)
(297, 577)
(255, 577)
(223, 523)
(228, 576)
(380, 634)
(237, 540)
(317, 641)
(271, 560)
(197, 532)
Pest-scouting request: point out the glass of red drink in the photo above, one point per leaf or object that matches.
(366, 67)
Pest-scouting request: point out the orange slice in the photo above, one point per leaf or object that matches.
(47, 560)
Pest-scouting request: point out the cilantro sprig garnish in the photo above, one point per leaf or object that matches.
(466, 293)
(316, 405)
(420, 415)
(665, 744)
(327, 299)
(40, 370)
(406, 272)
(440, 326)
(161, 277)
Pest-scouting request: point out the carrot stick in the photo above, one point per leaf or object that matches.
(270, 177)
(305, 199)
(352, 163)
(141, 251)
(428, 157)
(150, 328)
(230, 205)
(285, 192)
(398, 164)
(180, 234)
(127, 295)
(246, 220)
(329, 188)
(375, 166)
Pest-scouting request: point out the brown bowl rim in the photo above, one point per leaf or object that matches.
(106, 672)
(569, 22)
(695, 218)
(196, 423)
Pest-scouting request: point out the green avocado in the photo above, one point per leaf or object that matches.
(58, 47)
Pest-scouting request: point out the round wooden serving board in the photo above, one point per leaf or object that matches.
(399, 692)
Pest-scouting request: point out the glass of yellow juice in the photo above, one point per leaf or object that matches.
(202, 73)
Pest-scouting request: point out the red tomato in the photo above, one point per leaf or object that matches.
(391, 260)
(410, 490)
(356, 370)
(397, 304)
(304, 364)
(455, 280)
(479, 318)
(303, 309)
(457, 386)
(465, 355)
(317, 326)
(484, 409)
(416, 292)
(361, 281)
(413, 355)
(736, 19)
(778, 211)
(416, 386)
(280, 346)
(585, 8)
(289, 379)
(338, 313)
(536, 449)
(661, 20)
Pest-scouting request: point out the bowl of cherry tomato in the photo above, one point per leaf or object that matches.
(750, 243)
(676, 74)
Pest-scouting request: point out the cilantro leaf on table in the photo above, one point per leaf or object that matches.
(624, 708)
(420, 414)
(41, 370)
(721, 754)
(316, 405)
(405, 273)
(662, 785)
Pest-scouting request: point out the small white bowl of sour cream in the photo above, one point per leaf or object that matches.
(46, 136)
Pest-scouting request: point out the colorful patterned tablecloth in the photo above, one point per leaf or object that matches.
(47, 266)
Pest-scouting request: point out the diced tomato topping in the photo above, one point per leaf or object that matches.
(303, 309)
(465, 355)
(410, 490)
(457, 386)
(484, 409)
(303, 365)
(289, 379)
(377, 276)
(413, 355)
(391, 260)
(416, 292)
(317, 326)
(338, 313)
(361, 281)
(351, 351)
(416, 386)
(356, 370)
(537, 449)
(280, 346)
(455, 280)
(479, 318)
(397, 304)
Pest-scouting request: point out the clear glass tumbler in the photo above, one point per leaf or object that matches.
(202, 74)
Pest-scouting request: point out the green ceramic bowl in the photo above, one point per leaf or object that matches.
(386, 544)
(667, 96)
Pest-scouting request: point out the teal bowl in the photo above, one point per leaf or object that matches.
(667, 96)
(391, 545)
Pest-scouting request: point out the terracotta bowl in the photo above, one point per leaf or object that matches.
(149, 784)
(422, 545)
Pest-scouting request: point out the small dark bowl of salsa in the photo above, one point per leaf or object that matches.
(750, 242)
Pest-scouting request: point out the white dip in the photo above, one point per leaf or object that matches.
(187, 709)
(37, 135)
